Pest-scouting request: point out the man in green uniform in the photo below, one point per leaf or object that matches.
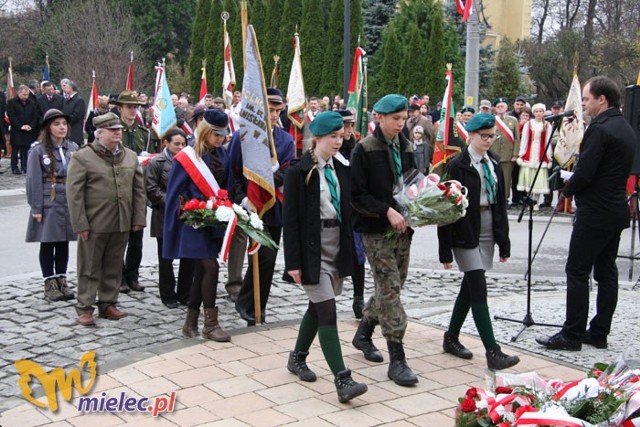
(507, 142)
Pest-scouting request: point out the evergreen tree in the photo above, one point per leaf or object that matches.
(434, 82)
(213, 43)
(258, 18)
(387, 79)
(270, 39)
(413, 64)
(312, 44)
(455, 56)
(506, 79)
(357, 32)
(332, 72)
(197, 44)
(234, 28)
(288, 20)
(376, 14)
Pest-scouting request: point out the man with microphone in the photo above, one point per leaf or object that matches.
(598, 184)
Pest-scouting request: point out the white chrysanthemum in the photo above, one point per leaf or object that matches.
(224, 214)
(209, 204)
(239, 210)
(255, 221)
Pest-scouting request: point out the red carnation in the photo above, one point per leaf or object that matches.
(468, 405)
(227, 203)
(471, 393)
(504, 390)
(222, 194)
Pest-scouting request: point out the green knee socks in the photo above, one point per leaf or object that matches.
(330, 344)
(307, 332)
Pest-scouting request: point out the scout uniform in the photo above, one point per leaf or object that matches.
(506, 144)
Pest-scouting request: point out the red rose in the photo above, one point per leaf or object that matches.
(202, 205)
(227, 203)
(472, 392)
(191, 205)
(222, 194)
(468, 405)
(504, 390)
(524, 408)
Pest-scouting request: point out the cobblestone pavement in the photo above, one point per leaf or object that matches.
(46, 332)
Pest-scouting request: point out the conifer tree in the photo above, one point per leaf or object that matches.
(234, 28)
(288, 19)
(258, 18)
(332, 71)
(387, 79)
(312, 44)
(270, 38)
(357, 32)
(414, 64)
(506, 79)
(213, 48)
(197, 44)
(434, 82)
(376, 14)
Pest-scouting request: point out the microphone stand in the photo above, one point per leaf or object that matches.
(529, 202)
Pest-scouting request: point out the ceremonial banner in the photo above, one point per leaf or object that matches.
(296, 100)
(93, 97)
(447, 142)
(229, 78)
(11, 91)
(571, 129)
(465, 8)
(130, 74)
(164, 116)
(203, 84)
(258, 151)
(275, 73)
(357, 93)
(45, 72)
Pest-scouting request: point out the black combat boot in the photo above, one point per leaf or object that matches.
(497, 360)
(347, 388)
(298, 365)
(358, 306)
(399, 371)
(452, 345)
(362, 341)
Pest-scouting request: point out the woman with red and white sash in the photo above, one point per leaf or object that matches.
(533, 141)
(198, 172)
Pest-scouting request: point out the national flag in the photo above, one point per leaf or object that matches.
(10, 88)
(465, 8)
(203, 83)
(130, 74)
(164, 115)
(572, 128)
(296, 99)
(447, 142)
(93, 97)
(358, 92)
(45, 71)
(258, 149)
(229, 78)
(275, 73)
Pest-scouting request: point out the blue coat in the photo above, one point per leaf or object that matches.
(180, 240)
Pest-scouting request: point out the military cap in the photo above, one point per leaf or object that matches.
(128, 97)
(217, 120)
(348, 116)
(53, 114)
(485, 103)
(107, 121)
(326, 122)
(499, 100)
(521, 98)
(391, 103)
(557, 104)
(275, 96)
(481, 121)
(468, 110)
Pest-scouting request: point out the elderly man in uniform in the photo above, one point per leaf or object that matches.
(507, 142)
(106, 194)
(485, 106)
(136, 138)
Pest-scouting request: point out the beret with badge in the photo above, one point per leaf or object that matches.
(325, 123)
(391, 103)
(480, 121)
(500, 100)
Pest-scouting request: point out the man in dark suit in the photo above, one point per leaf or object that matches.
(599, 186)
(23, 114)
(3, 125)
(74, 107)
(49, 99)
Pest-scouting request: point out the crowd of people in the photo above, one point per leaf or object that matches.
(337, 209)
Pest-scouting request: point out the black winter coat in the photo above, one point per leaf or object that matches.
(76, 108)
(156, 176)
(301, 217)
(465, 233)
(23, 114)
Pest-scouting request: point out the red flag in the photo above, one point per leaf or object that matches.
(130, 74)
(203, 84)
(229, 77)
(448, 143)
(464, 8)
(11, 89)
(93, 97)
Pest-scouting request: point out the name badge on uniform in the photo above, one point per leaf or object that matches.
(46, 160)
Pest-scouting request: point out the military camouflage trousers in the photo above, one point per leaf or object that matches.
(389, 261)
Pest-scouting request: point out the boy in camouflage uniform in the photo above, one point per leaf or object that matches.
(378, 164)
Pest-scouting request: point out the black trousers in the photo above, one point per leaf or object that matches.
(591, 248)
(23, 153)
(133, 257)
(167, 278)
(266, 265)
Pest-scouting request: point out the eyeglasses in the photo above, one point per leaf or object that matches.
(487, 136)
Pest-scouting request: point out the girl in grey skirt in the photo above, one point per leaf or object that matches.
(472, 239)
(318, 241)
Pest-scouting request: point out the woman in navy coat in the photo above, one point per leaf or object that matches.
(197, 172)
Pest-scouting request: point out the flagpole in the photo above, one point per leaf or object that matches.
(244, 17)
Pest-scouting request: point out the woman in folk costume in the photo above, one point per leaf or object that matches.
(472, 239)
(49, 222)
(533, 142)
(198, 172)
(318, 247)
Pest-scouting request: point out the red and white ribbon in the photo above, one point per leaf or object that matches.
(253, 248)
(228, 237)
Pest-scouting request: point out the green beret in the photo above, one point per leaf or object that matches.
(480, 121)
(391, 104)
(326, 122)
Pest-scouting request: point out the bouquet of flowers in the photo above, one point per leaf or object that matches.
(424, 200)
(608, 397)
(220, 212)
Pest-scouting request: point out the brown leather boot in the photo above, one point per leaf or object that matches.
(52, 290)
(190, 328)
(64, 288)
(212, 329)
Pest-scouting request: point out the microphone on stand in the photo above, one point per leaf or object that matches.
(560, 116)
